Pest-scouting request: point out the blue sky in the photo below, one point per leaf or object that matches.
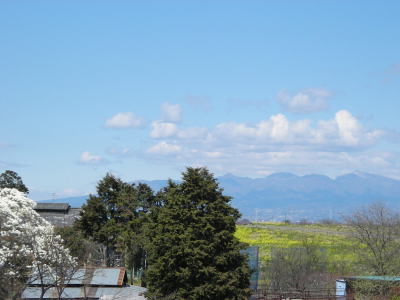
(144, 88)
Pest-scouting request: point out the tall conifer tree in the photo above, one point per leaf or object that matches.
(193, 253)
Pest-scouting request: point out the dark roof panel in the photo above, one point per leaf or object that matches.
(41, 206)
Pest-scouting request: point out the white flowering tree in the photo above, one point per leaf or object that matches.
(29, 248)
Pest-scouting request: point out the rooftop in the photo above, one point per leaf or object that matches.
(125, 293)
(105, 277)
(378, 278)
(42, 206)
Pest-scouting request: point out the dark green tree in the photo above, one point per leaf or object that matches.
(131, 240)
(192, 251)
(73, 239)
(115, 217)
(104, 216)
(10, 179)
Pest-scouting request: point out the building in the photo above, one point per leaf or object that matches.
(58, 214)
(90, 283)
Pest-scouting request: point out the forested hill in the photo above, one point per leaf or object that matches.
(285, 195)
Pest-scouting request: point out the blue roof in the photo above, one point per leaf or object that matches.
(381, 278)
(93, 292)
(91, 277)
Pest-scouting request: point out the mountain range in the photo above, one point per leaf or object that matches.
(288, 196)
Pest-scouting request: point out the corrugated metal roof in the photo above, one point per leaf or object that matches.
(52, 206)
(35, 292)
(93, 277)
(108, 276)
(129, 292)
(78, 277)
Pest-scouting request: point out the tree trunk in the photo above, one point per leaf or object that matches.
(132, 273)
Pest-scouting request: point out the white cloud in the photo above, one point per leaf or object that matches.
(171, 112)
(332, 146)
(164, 148)
(349, 128)
(344, 131)
(306, 101)
(88, 158)
(163, 129)
(124, 120)
(191, 133)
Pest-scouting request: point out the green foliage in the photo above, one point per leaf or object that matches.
(367, 289)
(10, 179)
(115, 217)
(333, 238)
(193, 253)
(132, 239)
(74, 240)
(104, 215)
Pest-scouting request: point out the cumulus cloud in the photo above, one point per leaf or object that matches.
(164, 148)
(88, 158)
(338, 144)
(306, 101)
(171, 112)
(124, 120)
(163, 129)
(343, 131)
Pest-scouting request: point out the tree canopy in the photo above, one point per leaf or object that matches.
(193, 253)
(114, 218)
(10, 179)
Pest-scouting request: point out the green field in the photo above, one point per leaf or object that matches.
(335, 239)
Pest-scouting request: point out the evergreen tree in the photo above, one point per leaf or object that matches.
(115, 217)
(132, 239)
(104, 216)
(193, 253)
(10, 179)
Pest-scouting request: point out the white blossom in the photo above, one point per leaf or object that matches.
(28, 244)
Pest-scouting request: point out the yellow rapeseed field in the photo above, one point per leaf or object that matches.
(335, 239)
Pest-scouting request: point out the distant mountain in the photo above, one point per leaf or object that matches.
(285, 195)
